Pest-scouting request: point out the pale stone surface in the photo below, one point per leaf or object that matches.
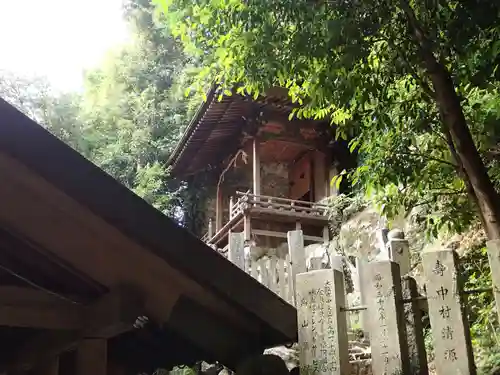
(450, 329)
(289, 355)
(414, 327)
(295, 241)
(399, 252)
(236, 254)
(361, 274)
(323, 341)
(395, 234)
(386, 319)
(494, 259)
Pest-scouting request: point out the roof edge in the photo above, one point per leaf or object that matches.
(174, 157)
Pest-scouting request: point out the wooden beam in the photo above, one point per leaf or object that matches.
(319, 176)
(247, 228)
(41, 317)
(31, 308)
(270, 233)
(218, 209)
(110, 316)
(256, 167)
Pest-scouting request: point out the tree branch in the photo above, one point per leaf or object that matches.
(431, 200)
(428, 158)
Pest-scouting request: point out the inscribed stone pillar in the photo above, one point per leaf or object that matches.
(236, 252)
(449, 326)
(297, 254)
(91, 357)
(361, 269)
(494, 258)
(399, 252)
(414, 327)
(323, 342)
(386, 318)
(337, 262)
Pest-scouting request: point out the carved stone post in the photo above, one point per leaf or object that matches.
(449, 325)
(236, 252)
(297, 256)
(414, 327)
(385, 309)
(323, 341)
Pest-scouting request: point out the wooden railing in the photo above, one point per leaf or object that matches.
(247, 201)
(281, 204)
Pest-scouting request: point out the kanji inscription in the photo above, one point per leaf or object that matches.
(388, 332)
(321, 334)
(449, 326)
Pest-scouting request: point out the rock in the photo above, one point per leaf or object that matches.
(289, 355)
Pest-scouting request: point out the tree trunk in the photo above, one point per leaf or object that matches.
(461, 171)
(454, 121)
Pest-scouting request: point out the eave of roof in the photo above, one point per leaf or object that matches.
(188, 132)
(66, 174)
(210, 117)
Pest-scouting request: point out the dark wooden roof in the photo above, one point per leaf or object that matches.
(212, 133)
(68, 227)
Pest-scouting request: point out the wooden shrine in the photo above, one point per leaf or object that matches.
(271, 173)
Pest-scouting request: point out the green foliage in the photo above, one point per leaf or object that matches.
(182, 371)
(58, 112)
(483, 318)
(358, 63)
(341, 208)
(131, 113)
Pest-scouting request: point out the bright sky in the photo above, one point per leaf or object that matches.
(58, 38)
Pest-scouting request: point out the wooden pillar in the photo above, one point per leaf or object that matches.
(256, 167)
(247, 228)
(210, 229)
(326, 234)
(231, 207)
(92, 357)
(447, 315)
(218, 210)
(319, 176)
